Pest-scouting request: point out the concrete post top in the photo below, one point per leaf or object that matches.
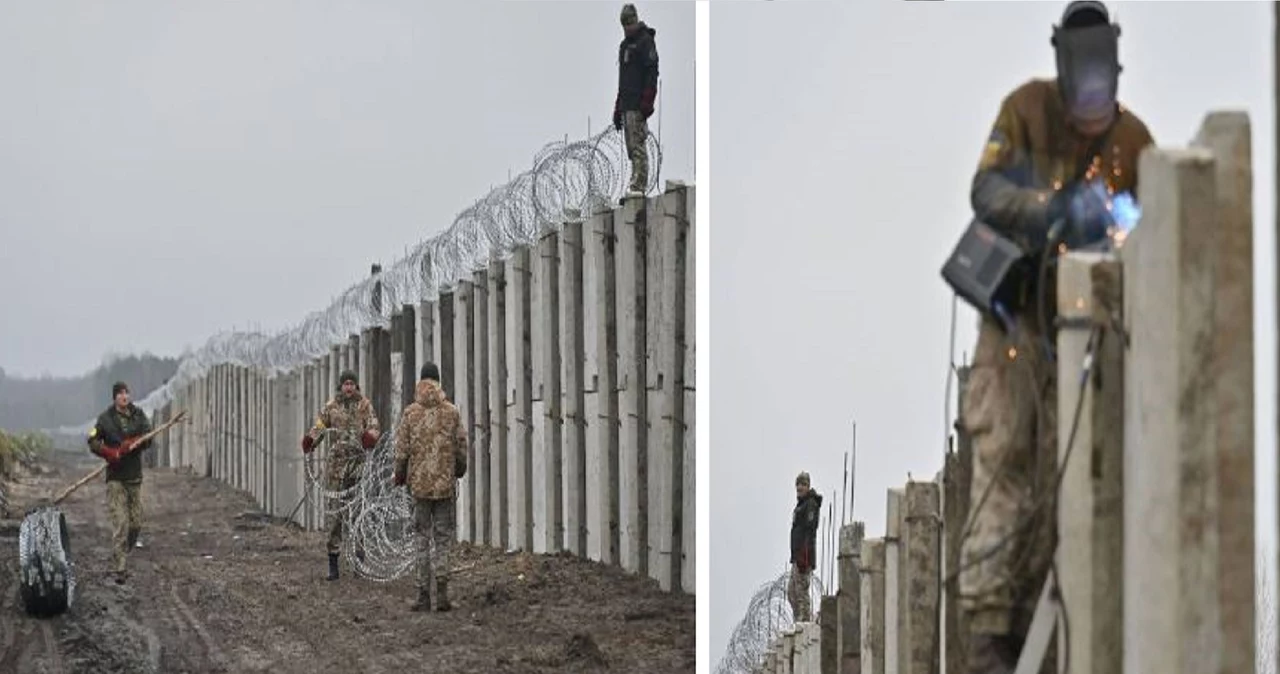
(893, 514)
(851, 536)
(1075, 272)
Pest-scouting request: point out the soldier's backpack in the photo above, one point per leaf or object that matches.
(47, 575)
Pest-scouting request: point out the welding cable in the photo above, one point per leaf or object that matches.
(1051, 495)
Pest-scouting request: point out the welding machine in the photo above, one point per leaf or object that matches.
(988, 270)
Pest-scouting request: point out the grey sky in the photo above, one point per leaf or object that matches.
(844, 136)
(169, 170)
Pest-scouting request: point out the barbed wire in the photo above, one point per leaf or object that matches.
(566, 177)
(767, 617)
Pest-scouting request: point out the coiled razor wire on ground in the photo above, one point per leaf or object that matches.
(768, 616)
(566, 178)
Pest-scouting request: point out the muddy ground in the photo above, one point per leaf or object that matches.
(219, 587)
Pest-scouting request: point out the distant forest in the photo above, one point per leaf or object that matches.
(50, 402)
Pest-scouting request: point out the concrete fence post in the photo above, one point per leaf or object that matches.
(474, 503)
(546, 416)
(665, 335)
(829, 619)
(1229, 136)
(849, 597)
(494, 334)
(633, 472)
(409, 366)
(872, 624)
(601, 394)
(519, 399)
(688, 500)
(921, 550)
(1173, 556)
(573, 399)
(395, 372)
(894, 644)
(1090, 509)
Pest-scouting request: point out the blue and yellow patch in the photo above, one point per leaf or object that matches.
(994, 149)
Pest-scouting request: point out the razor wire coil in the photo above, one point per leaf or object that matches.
(768, 616)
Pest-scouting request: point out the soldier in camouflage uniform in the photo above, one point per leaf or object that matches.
(804, 542)
(431, 454)
(352, 426)
(111, 438)
(1050, 140)
(637, 91)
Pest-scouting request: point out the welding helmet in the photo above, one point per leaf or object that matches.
(1086, 47)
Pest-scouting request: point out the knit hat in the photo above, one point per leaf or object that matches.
(117, 387)
(802, 479)
(348, 376)
(629, 14)
(430, 371)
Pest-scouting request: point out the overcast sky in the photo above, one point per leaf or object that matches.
(844, 137)
(170, 170)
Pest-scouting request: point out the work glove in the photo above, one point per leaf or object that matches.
(1083, 214)
(308, 444)
(368, 439)
(111, 454)
(646, 101)
(109, 438)
(398, 478)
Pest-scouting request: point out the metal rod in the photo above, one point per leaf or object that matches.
(853, 472)
(844, 513)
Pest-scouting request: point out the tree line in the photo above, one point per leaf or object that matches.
(49, 402)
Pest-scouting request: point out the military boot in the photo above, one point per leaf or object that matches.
(442, 595)
(424, 601)
(991, 654)
(333, 566)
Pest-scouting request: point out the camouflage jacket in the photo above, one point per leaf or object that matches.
(431, 444)
(346, 419)
(1033, 151)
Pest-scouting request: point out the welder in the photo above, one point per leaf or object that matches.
(1059, 150)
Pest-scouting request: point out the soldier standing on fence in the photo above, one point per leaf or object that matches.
(431, 454)
(804, 542)
(1050, 141)
(637, 91)
(349, 420)
(111, 439)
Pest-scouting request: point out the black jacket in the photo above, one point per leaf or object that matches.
(804, 529)
(113, 427)
(637, 67)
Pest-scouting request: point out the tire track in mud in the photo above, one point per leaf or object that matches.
(53, 650)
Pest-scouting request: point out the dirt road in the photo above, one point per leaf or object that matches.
(219, 587)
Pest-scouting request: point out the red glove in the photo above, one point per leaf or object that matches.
(126, 446)
(308, 444)
(398, 479)
(646, 101)
(368, 439)
(112, 454)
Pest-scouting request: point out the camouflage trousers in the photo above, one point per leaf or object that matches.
(636, 130)
(124, 508)
(1010, 414)
(436, 524)
(798, 594)
(335, 511)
